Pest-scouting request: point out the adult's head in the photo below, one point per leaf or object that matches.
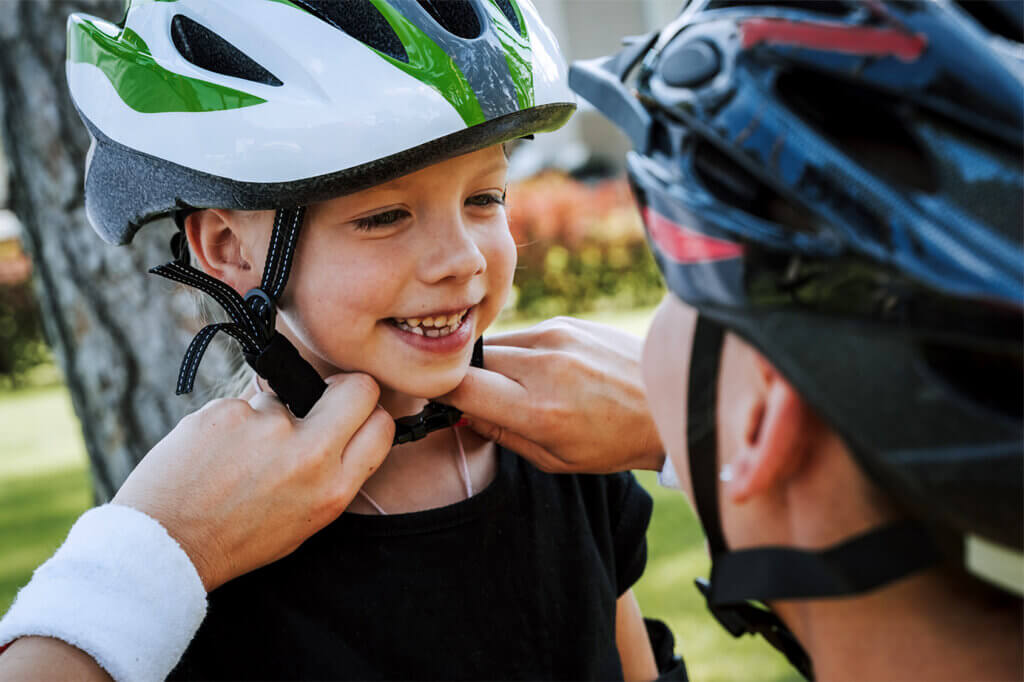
(833, 193)
(275, 105)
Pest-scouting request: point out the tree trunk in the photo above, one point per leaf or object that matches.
(117, 333)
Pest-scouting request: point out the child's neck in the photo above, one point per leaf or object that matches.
(426, 473)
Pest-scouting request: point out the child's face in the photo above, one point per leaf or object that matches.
(432, 244)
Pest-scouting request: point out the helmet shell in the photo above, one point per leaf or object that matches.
(335, 115)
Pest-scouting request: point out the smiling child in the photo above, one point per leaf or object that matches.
(374, 127)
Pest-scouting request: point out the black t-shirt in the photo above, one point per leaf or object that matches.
(517, 582)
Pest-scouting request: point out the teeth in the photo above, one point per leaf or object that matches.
(435, 326)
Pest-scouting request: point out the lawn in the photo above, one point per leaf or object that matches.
(44, 486)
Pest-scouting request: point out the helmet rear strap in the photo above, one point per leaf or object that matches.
(742, 578)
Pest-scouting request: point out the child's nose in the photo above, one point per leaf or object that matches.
(451, 252)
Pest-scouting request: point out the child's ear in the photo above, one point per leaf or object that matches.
(779, 426)
(214, 240)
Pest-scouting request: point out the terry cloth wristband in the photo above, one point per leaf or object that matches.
(667, 477)
(120, 589)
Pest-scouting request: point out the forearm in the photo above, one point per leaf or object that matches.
(119, 591)
(632, 641)
(32, 659)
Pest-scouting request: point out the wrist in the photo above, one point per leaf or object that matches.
(120, 589)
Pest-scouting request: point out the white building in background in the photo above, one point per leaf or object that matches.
(586, 29)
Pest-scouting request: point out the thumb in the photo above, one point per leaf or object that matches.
(511, 440)
(488, 396)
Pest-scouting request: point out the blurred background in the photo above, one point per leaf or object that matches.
(89, 345)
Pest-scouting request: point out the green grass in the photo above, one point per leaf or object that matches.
(44, 486)
(44, 480)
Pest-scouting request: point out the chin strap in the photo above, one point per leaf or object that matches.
(273, 357)
(270, 354)
(742, 580)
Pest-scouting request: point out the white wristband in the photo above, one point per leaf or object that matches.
(120, 589)
(667, 477)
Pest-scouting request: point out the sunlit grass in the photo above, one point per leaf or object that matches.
(44, 480)
(44, 486)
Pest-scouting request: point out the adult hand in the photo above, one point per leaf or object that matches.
(240, 484)
(567, 395)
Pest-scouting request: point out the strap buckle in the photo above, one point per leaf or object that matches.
(746, 618)
(260, 303)
(434, 417)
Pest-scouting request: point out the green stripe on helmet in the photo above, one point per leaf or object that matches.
(430, 64)
(142, 84)
(518, 54)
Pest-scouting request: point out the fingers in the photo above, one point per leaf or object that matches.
(527, 449)
(342, 409)
(489, 395)
(364, 453)
(267, 402)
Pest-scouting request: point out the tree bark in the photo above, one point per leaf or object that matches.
(117, 333)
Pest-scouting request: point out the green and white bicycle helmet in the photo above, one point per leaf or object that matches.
(275, 104)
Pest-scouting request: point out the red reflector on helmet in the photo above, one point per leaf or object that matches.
(684, 245)
(874, 42)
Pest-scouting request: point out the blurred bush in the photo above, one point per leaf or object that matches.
(21, 328)
(581, 247)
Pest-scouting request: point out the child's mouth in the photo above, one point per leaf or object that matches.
(434, 326)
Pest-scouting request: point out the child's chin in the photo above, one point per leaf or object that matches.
(433, 386)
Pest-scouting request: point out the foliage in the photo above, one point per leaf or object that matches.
(581, 247)
(21, 333)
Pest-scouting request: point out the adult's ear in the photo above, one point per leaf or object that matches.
(779, 430)
(215, 241)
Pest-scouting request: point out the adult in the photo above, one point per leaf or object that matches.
(833, 194)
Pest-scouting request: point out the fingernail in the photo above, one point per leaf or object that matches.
(462, 422)
(727, 473)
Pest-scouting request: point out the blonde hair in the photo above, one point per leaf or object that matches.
(239, 374)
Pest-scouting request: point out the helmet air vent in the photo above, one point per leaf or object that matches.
(361, 20)
(835, 8)
(730, 183)
(866, 125)
(510, 13)
(454, 16)
(207, 50)
(1005, 19)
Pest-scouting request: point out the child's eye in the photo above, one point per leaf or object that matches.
(381, 219)
(486, 199)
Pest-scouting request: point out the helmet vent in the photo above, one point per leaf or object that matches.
(734, 185)
(1005, 19)
(865, 124)
(207, 50)
(455, 16)
(834, 8)
(510, 13)
(361, 20)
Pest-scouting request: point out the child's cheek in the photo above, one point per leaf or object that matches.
(501, 264)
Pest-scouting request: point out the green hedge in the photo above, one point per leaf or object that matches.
(581, 248)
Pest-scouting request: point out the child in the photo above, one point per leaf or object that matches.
(384, 122)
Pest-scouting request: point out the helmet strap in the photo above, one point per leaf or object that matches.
(269, 353)
(741, 581)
